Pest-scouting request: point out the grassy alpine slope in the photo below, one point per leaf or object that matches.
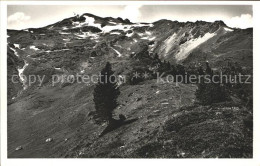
(170, 122)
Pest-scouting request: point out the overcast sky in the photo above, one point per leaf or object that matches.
(26, 16)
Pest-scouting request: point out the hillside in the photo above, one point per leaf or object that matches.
(169, 123)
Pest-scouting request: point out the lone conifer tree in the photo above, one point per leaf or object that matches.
(211, 91)
(105, 95)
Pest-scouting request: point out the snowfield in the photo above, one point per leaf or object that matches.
(228, 29)
(17, 46)
(21, 76)
(34, 48)
(15, 52)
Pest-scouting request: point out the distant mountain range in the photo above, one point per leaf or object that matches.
(177, 42)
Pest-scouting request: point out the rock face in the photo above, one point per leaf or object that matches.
(82, 45)
(19, 148)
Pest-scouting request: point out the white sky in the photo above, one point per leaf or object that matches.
(27, 16)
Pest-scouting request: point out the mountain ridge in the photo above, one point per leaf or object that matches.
(173, 41)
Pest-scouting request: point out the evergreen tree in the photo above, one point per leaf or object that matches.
(169, 67)
(180, 71)
(209, 93)
(105, 95)
(208, 71)
(200, 71)
(156, 57)
(212, 91)
(173, 70)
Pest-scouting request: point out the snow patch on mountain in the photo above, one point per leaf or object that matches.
(109, 28)
(145, 38)
(84, 35)
(15, 52)
(17, 46)
(228, 29)
(57, 68)
(63, 33)
(124, 27)
(90, 21)
(34, 48)
(148, 33)
(148, 38)
(152, 38)
(77, 23)
(21, 75)
(67, 40)
(142, 25)
(151, 48)
(115, 33)
(118, 53)
(129, 34)
(88, 34)
(65, 49)
(111, 22)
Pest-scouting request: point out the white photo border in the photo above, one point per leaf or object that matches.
(255, 161)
